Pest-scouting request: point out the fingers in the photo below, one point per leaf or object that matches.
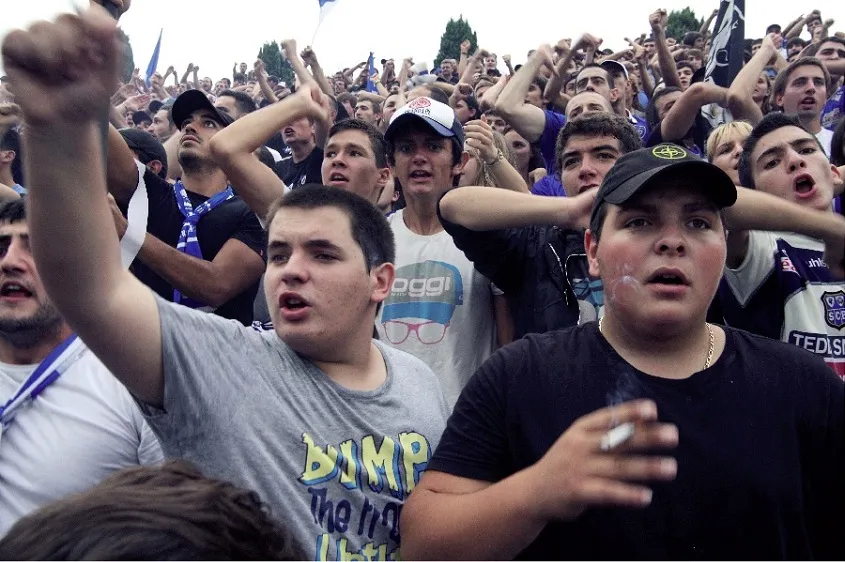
(633, 411)
(600, 491)
(636, 468)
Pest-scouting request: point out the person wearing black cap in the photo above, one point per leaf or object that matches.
(141, 120)
(218, 267)
(147, 150)
(649, 434)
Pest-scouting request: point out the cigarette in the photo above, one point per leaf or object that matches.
(617, 436)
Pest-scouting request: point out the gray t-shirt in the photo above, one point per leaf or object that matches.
(334, 465)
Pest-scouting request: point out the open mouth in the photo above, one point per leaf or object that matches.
(292, 302)
(668, 277)
(804, 184)
(807, 102)
(338, 178)
(587, 187)
(419, 175)
(14, 290)
(288, 132)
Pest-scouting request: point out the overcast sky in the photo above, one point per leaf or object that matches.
(214, 38)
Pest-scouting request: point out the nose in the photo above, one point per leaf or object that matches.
(794, 161)
(13, 259)
(338, 161)
(588, 169)
(295, 270)
(671, 242)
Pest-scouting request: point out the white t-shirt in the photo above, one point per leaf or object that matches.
(825, 137)
(81, 428)
(440, 309)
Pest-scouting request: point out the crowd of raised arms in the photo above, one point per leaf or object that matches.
(589, 306)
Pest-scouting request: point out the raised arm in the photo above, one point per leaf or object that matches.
(705, 27)
(462, 62)
(796, 24)
(71, 229)
(483, 208)
(289, 52)
(261, 77)
(528, 120)
(740, 93)
(682, 115)
(491, 96)
(234, 147)
(310, 59)
(479, 137)
(668, 70)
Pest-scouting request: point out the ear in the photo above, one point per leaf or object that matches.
(614, 95)
(838, 183)
(7, 156)
(592, 246)
(458, 168)
(155, 166)
(382, 277)
(779, 100)
(383, 177)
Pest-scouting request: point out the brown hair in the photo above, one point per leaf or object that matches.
(169, 512)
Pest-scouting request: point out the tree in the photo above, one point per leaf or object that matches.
(275, 63)
(128, 58)
(679, 23)
(450, 42)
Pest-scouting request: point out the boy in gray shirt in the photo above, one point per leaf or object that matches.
(331, 428)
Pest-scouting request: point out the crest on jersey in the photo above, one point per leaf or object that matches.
(834, 309)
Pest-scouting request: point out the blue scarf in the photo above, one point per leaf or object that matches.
(188, 242)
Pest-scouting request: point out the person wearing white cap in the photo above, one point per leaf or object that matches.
(440, 307)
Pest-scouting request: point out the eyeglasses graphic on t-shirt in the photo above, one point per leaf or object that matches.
(428, 332)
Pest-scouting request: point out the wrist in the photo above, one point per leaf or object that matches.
(496, 159)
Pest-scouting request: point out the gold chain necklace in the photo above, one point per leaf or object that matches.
(710, 349)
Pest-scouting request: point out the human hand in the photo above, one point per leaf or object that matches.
(258, 67)
(506, 59)
(289, 48)
(64, 71)
(546, 57)
(536, 175)
(120, 221)
(479, 137)
(136, 103)
(308, 56)
(122, 5)
(657, 20)
(580, 474)
(10, 115)
(465, 46)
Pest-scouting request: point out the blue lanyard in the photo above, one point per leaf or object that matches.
(47, 372)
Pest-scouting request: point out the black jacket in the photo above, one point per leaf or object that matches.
(541, 269)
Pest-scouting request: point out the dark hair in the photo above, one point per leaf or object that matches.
(12, 141)
(457, 148)
(346, 96)
(168, 107)
(774, 28)
(540, 82)
(756, 42)
(691, 37)
(651, 117)
(168, 512)
(769, 123)
(695, 53)
(597, 125)
(266, 157)
(12, 211)
(608, 77)
(836, 145)
(684, 64)
(377, 142)
(370, 229)
(243, 102)
(435, 93)
(239, 77)
(376, 106)
(795, 41)
(779, 86)
(831, 39)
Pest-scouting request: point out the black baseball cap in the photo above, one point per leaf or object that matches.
(637, 170)
(194, 100)
(154, 106)
(146, 146)
(141, 116)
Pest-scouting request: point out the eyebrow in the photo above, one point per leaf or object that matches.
(594, 149)
(776, 150)
(652, 209)
(355, 145)
(7, 238)
(315, 244)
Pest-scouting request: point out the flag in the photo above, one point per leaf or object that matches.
(728, 44)
(325, 8)
(151, 68)
(371, 69)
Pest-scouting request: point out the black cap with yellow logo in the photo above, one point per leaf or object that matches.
(638, 169)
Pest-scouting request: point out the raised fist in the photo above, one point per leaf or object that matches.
(465, 46)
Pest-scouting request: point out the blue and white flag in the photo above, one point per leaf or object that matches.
(325, 8)
(151, 68)
(371, 69)
(728, 43)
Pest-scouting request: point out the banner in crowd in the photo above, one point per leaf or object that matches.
(728, 44)
(371, 69)
(151, 68)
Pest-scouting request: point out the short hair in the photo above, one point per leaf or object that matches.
(836, 145)
(266, 157)
(769, 123)
(346, 96)
(377, 142)
(774, 28)
(376, 106)
(609, 78)
(168, 107)
(597, 125)
(238, 77)
(370, 228)
(684, 64)
(756, 42)
(168, 512)
(722, 132)
(435, 93)
(457, 148)
(243, 102)
(651, 117)
(12, 141)
(796, 41)
(695, 53)
(831, 39)
(540, 82)
(779, 86)
(12, 211)
(691, 37)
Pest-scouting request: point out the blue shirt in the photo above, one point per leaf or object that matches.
(548, 140)
(834, 109)
(21, 190)
(549, 186)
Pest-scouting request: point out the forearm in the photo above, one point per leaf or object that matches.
(482, 208)
(373, 97)
(666, 61)
(251, 131)
(835, 67)
(645, 78)
(787, 31)
(505, 176)
(705, 27)
(682, 115)
(382, 90)
(196, 81)
(184, 79)
(67, 200)
(740, 100)
(796, 28)
(320, 78)
(513, 95)
(268, 92)
(115, 118)
(300, 70)
(510, 67)
(503, 518)
(462, 64)
(193, 277)
(491, 96)
(555, 83)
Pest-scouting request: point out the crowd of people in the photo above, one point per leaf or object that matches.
(589, 306)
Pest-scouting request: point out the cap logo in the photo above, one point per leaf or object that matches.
(668, 152)
(419, 103)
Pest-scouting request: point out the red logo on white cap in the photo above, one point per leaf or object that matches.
(419, 102)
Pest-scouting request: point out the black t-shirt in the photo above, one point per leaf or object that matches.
(297, 174)
(760, 454)
(231, 219)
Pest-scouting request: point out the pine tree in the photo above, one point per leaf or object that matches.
(275, 64)
(450, 42)
(679, 23)
(128, 57)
